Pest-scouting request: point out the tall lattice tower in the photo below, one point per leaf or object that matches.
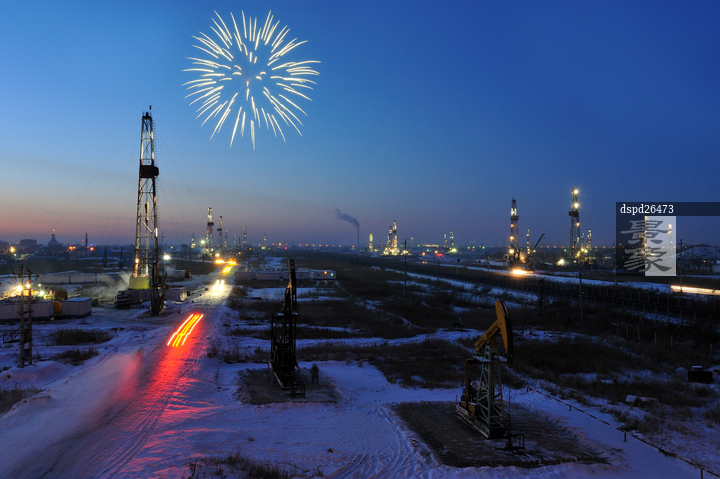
(147, 268)
(514, 253)
(220, 237)
(209, 234)
(574, 248)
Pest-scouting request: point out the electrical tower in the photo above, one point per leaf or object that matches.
(574, 213)
(209, 234)
(244, 240)
(147, 268)
(514, 255)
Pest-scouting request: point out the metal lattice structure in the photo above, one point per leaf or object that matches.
(147, 262)
(220, 237)
(486, 396)
(209, 247)
(481, 405)
(575, 246)
(514, 251)
(283, 338)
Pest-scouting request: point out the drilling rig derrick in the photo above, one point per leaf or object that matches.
(209, 247)
(575, 246)
(514, 251)
(147, 267)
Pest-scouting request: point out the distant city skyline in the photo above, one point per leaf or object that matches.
(433, 116)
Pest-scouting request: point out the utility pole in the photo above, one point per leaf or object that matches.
(680, 264)
(25, 328)
(438, 275)
(580, 282)
(405, 283)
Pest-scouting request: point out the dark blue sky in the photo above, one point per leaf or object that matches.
(430, 114)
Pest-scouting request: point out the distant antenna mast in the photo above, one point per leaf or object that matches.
(147, 249)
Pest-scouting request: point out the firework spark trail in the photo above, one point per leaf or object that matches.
(249, 62)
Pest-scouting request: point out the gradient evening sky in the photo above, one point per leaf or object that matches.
(433, 114)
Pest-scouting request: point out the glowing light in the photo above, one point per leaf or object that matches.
(688, 289)
(520, 271)
(180, 336)
(166, 257)
(249, 63)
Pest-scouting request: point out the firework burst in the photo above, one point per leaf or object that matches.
(245, 78)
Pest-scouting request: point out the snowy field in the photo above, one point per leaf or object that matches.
(144, 409)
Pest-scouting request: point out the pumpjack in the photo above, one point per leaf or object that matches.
(283, 335)
(481, 405)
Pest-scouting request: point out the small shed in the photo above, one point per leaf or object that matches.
(176, 294)
(77, 307)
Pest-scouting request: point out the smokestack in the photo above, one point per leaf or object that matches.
(86, 243)
(345, 217)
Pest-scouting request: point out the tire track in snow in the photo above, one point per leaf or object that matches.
(146, 426)
(142, 432)
(395, 458)
(106, 445)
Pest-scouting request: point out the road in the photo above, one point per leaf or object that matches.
(106, 439)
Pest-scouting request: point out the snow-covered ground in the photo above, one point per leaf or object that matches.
(144, 409)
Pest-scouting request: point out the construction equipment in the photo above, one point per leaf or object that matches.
(283, 328)
(481, 405)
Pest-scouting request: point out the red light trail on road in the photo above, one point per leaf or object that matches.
(178, 338)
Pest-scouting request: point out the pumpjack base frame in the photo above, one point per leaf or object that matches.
(296, 388)
(472, 422)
